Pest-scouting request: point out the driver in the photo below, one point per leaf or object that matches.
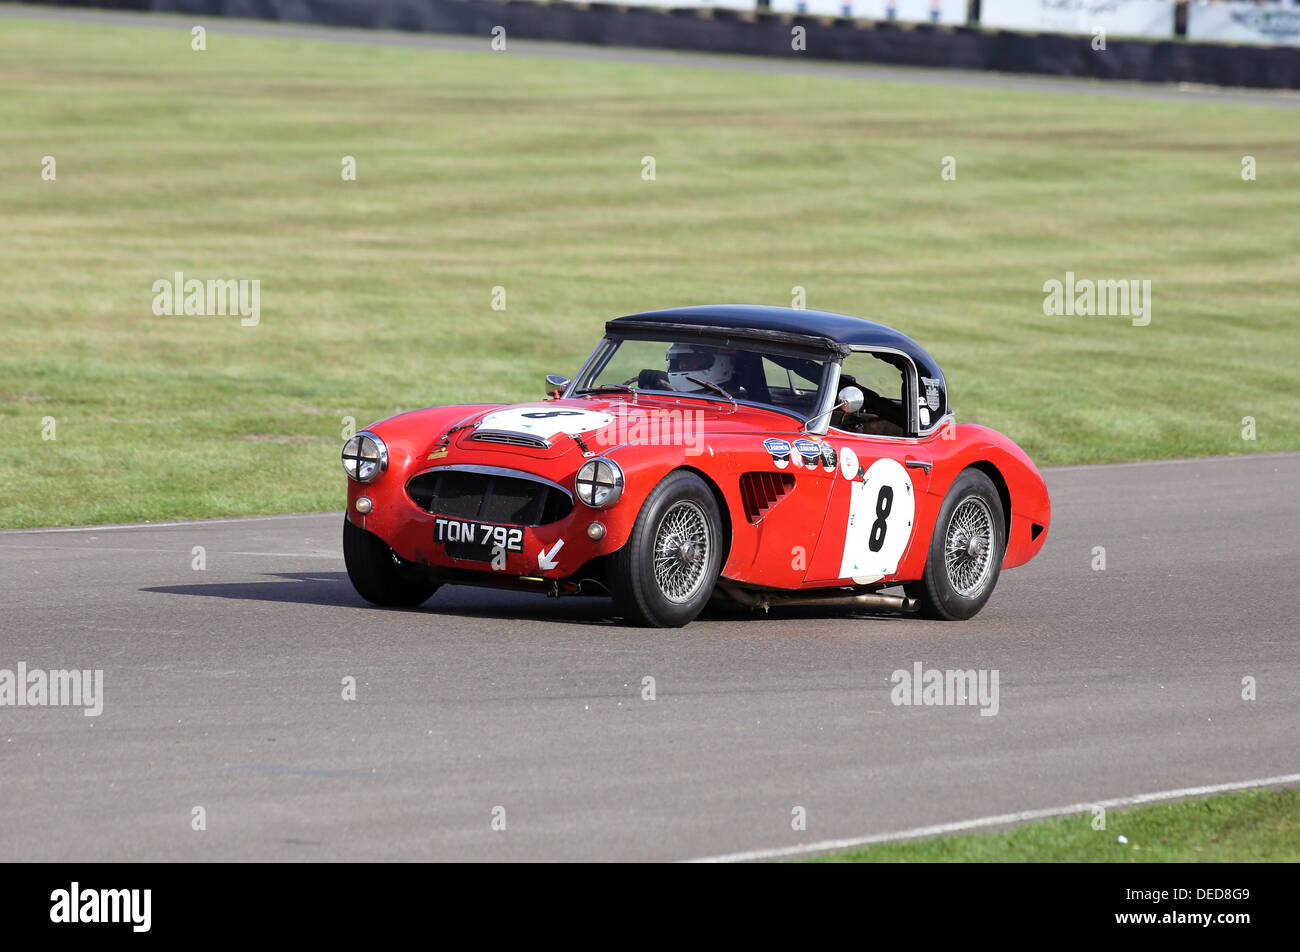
(709, 364)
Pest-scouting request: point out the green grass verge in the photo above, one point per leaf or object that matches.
(1253, 826)
(483, 170)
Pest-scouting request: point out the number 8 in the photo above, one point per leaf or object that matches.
(884, 503)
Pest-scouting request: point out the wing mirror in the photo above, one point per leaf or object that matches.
(851, 399)
(555, 383)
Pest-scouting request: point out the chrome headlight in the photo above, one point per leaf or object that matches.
(599, 482)
(365, 457)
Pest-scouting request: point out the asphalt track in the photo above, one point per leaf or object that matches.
(794, 65)
(222, 689)
(223, 686)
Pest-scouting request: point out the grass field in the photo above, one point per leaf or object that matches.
(496, 169)
(1255, 826)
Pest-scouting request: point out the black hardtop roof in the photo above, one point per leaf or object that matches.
(819, 327)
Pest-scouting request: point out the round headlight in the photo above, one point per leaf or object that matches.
(599, 482)
(365, 457)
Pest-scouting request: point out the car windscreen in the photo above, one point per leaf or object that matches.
(771, 377)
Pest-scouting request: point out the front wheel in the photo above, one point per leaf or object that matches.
(664, 574)
(965, 555)
(379, 574)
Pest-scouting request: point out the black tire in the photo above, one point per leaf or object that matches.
(639, 594)
(379, 574)
(959, 592)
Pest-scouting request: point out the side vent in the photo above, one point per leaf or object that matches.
(759, 492)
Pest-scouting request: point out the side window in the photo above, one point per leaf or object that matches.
(880, 378)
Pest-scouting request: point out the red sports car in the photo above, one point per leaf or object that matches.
(756, 454)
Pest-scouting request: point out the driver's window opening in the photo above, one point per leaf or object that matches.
(881, 379)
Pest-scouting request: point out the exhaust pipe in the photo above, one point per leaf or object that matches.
(876, 600)
(764, 600)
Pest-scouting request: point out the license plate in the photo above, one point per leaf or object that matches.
(476, 540)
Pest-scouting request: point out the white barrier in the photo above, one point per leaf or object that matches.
(1146, 18)
(748, 5)
(948, 12)
(1270, 24)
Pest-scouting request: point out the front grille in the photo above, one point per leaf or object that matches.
(513, 439)
(489, 497)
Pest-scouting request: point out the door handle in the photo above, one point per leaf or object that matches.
(918, 464)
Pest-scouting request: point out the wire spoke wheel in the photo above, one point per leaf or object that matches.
(968, 546)
(966, 550)
(664, 574)
(681, 551)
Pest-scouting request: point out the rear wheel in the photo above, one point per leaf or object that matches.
(664, 574)
(379, 574)
(965, 554)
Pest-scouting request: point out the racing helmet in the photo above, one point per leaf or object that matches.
(702, 363)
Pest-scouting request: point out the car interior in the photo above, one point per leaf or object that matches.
(792, 383)
(882, 414)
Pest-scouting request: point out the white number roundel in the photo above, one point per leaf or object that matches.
(545, 421)
(882, 509)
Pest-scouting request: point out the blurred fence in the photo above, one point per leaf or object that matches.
(1108, 39)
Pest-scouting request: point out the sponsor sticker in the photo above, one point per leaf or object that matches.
(931, 392)
(779, 451)
(849, 467)
(807, 451)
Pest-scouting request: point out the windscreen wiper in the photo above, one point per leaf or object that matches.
(712, 386)
(606, 387)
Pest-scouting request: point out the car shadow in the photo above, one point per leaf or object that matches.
(306, 588)
(333, 589)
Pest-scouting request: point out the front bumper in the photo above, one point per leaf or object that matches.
(554, 551)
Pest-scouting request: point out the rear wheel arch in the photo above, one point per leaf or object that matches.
(1004, 494)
